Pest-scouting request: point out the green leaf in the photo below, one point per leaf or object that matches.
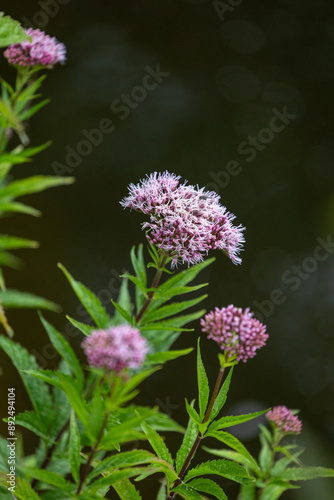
(163, 422)
(223, 468)
(274, 491)
(122, 313)
(124, 459)
(125, 431)
(124, 302)
(75, 449)
(10, 31)
(49, 477)
(126, 490)
(64, 349)
(27, 113)
(85, 329)
(247, 492)
(117, 476)
(30, 420)
(305, 473)
(162, 357)
(13, 242)
(232, 455)
(234, 420)
(157, 444)
(136, 282)
(208, 486)
(203, 384)
(138, 265)
(23, 490)
(171, 310)
(187, 443)
(33, 185)
(265, 455)
(9, 260)
(16, 299)
(89, 300)
(18, 208)
(234, 443)
(221, 397)
(185, 491)
(193, 413)
(184, 277)
(37, 390)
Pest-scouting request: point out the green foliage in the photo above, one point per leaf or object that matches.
(187, 443)
(208, 486)
(10, 31)
(74, 449)
(24, 300)
(203, 384)
(224, 468)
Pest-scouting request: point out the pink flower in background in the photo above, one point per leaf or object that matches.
(42, 50)
(236, 331)
(185, 221)
(284, 420)
(117, 348)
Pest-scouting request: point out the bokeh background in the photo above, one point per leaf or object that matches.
(228, 69)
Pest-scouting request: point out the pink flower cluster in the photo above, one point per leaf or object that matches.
(42, 50)
(117, 348)
(236, 331)
(284, 420)
(185, 221)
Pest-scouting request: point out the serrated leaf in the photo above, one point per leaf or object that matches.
(30, 420)
(37, 390)
(33, 184)
(224, 468)
(120, 432)
(126, 490)
(23, 490)
(221, 397)
(305, 473)
(203, 384)
(208, 486)
(187, 443)
(162, 357)
(234, 420)
(120, 460)
(185, 491)
(157, 444)
(85, 329)
(15, 299)
(64, 349)
(122, 313)
(89, 300)
(193, 413)
(171, 310)
(10, 31)
(235, 444)
(116, 476)
(74, 449)
(231, 455)
(136, 281)
(49, 477)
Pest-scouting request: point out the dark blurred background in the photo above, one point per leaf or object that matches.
(242, 104)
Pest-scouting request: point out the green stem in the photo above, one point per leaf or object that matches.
(92, 453)
(155, 284)
(199, 435)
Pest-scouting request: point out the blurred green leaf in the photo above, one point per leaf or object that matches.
(10, 31)
(16, 299)
(13, 242)
(33, 184)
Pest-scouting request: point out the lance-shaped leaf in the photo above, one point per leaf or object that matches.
(49, 477)
(157, 444)
(38, 391)
(138, 265)
(203, 384)
(20, 208)
(188, 492)
(64, 349)
(123, 303)
(305, 473)
(208, 486)
(33, 184)
(13, 242)
(126, 490)
(30, 420)
(171, 309)
(221, 397)
(224, 468)
(16, 299)
(234, 420)
(187, 443)
(89, 300)
(247, 492)
(162, 357)
(75, 449)
(275, 491)
(235, 444)
(82, 327)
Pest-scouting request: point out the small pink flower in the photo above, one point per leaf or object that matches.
(284, 420)
(42, 50)
(236, 331)
(117, 348)
(185, 221)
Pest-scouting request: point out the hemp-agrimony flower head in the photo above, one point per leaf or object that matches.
(235, 330)
(284, 420)
(115, 349)
(43, 50)
(185, 221)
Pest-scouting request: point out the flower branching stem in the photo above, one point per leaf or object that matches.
(199, 435)
(155, 284)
